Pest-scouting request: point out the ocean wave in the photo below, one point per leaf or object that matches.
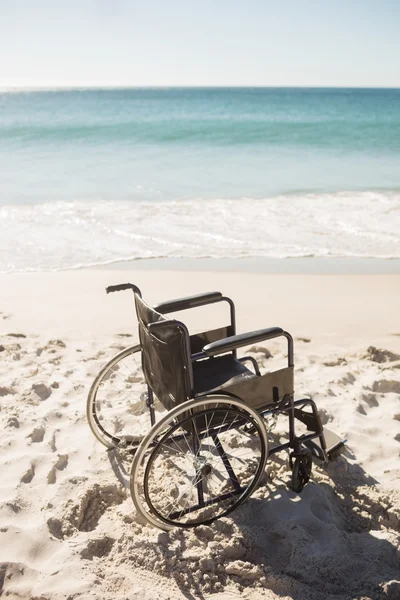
(332, 134)
(62, 235)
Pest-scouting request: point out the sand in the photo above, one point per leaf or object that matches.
(68, 528)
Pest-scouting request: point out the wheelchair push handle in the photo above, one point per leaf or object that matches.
(120, 287)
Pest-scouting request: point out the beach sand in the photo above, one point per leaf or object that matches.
(68, 528)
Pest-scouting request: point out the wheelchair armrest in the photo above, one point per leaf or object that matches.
(188, 302)
(244, 339)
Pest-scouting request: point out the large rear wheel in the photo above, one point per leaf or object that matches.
(200, 462)
(120, 404)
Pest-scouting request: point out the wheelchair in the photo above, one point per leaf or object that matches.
(193, 414)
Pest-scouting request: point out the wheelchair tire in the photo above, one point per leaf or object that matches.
(116, 407)
(301, 472)
(198, 463)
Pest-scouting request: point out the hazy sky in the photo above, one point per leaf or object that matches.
(200, 42)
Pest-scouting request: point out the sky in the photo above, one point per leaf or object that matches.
(52, 43)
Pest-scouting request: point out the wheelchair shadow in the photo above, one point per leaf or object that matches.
(120, 462)
(323, 543)
(341, 471)
(326, 542)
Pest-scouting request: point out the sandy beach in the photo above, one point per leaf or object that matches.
(249, 152)
(68, 528)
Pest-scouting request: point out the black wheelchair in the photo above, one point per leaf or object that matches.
(193, 414)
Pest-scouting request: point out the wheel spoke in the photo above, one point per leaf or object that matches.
(210, 453)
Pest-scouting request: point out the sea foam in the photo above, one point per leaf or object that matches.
(62, 235)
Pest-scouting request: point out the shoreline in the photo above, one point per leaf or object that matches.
(259, 264)
(255, 264)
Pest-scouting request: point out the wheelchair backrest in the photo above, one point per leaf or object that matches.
(165, 355)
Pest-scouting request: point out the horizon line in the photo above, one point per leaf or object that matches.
(84, 87)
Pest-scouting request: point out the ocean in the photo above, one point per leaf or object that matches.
(92, 177)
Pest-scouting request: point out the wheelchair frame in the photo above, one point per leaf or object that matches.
(208, 345)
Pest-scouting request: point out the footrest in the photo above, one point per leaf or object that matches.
(334, 445)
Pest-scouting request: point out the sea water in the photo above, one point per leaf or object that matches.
(91, 177)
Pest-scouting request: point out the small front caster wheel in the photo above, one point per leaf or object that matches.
(301, 471)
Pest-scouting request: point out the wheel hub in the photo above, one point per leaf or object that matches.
(202, 466)
(206, 469)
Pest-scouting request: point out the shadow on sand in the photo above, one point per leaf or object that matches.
(337, 540)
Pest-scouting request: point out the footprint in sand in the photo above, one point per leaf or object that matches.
(347, 379)
(118, 347)
(5, 391)
(380, 356)
(337, 362)
(13, 422)
(57, 343)
(98, 547)
(386, 386)
(84, 514)
(55, 361)
(13, 350)
(28, 475)
(13, 347)
(42, 390)
(60, 465)
(360, 409)
(52, 442)
(324, 415)
(260, 350)
(370, 399)
(37, 434)
(97, 356)
(51, 348)
(16, 335)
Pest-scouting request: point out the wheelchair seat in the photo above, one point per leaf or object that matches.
(218, 373)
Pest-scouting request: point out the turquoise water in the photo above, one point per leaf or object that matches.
(130, 168)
